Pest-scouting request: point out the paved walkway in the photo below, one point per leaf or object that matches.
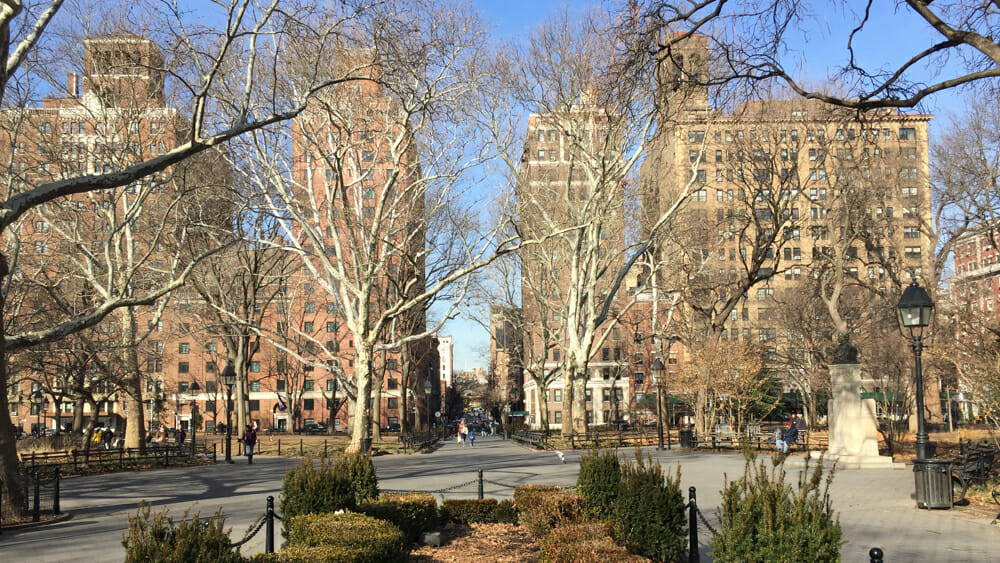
(874, 505)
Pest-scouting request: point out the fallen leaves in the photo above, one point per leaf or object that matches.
(480, 543)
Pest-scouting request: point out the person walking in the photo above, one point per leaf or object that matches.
(472, 438)
(249, 441)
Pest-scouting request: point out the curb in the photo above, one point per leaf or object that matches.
(60, 518)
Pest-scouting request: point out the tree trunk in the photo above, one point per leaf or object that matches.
(135, 428)
(10, 474)
(376, 427)
(567, 402)
(362, 412)
(580, 403)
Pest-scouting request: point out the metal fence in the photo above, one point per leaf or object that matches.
(40, 493)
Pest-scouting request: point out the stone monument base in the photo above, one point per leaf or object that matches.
(845, 461)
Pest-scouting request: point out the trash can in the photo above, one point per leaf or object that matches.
(687, 438)
(933, 481)
(366, 444)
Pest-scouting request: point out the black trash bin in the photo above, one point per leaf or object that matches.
(366, 444)
(933, 483)
(686, 438)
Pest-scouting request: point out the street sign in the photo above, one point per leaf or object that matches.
(519, 413)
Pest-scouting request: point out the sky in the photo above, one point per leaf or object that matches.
(818, 48)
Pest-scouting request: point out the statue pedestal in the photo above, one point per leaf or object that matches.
(853, 430)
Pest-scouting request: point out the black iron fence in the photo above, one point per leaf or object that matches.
(76, 460)
(40, 493)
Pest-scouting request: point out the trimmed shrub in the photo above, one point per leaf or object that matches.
(467, 511)
(583, 543)
(360, 470)
(318, 554)
(765, 519)
(155, 538)
(548, 510)
(527, 495)
(597, 483)
(506, 512)
(649, 511)
(377, 540)
(412, 513)
(307, 489)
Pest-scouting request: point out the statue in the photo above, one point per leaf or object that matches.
(845, 352)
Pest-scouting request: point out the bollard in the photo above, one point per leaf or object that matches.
(324, 448)
(269, 530)
(73, 451)
(55, 495)
(875, 554)
(121, 459)
(36, 509)
(279, 446)
(300, 448)
(692, 527)
(480, 484)
(758, 442)
(214, 459)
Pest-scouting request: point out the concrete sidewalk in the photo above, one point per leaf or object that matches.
(875, 507)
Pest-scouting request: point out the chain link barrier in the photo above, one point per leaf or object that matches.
(701, 516)
(260, 524)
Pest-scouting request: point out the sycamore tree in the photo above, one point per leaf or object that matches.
(368, 187)
(218, 76)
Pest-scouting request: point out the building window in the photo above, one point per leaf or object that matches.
(392, 403)
(254, 386)
(913, 252)
(911, 232)
(907, 134)
(331, 326)
(308, 326)
(210, 367)
(308, 385)
(557, 395)
(255, 367)
(557, 417)
(331, 385)
(254, 405)
(280, 385)
(182, 367)
(209, 406)
(182, 386)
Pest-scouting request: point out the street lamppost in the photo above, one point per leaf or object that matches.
(229, 380)
(915, 309)
(194, 389)
(38, 399)
(658, 368)
(428, 389)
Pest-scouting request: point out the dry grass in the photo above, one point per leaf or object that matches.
(480, 543)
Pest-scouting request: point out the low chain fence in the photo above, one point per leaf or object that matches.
(266, 521)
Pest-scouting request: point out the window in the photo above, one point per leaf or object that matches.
(182, 386)
(254, 386)
(280, 386)
(255, 404)
(331, 384)
(209, 406)
(210, 367)
(392, 403)
(308, 385)
(913, 252)
(183, 367)
(557, 416)
(308, 326)
(639, 377)
(41, 247)
(911, 232)
(907, 134)
(331, 326)
(255, 367)
(557, 395)
(183, 348)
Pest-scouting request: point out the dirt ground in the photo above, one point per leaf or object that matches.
(480, 543)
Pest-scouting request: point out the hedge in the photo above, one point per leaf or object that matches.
(412, 513)
(583, 543)
(155, 538)
(380, 541)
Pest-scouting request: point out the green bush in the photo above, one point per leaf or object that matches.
(308, 489)
(597, 483)
(765, 519)
(467, 511)
(318, 554)
(506, 512)
(360, 470)
(548, 510)
(649, 511)
(155, 538)
(412, 513)
(377, 540)
(527, 495)
(583, 543)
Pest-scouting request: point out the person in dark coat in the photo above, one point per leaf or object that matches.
(791, 436)
(249, 441)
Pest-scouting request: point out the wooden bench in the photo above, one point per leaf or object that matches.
(973, 465)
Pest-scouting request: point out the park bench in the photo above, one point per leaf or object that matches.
(973, 465)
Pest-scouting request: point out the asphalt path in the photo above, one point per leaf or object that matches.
(874, 505)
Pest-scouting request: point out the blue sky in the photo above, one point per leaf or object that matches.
(818, 48)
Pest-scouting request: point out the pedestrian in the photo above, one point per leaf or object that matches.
(791, 436)
(106, 437)
(249, 441)
(97, 436)
(463, 431)
(472, 438)
(181, 436)
(779, 440)
(800, 423)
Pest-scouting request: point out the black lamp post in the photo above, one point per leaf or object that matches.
(229, 380)
(38, 399)
(658, 368)
(428, 389)
(915, 309)
(194, 389)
